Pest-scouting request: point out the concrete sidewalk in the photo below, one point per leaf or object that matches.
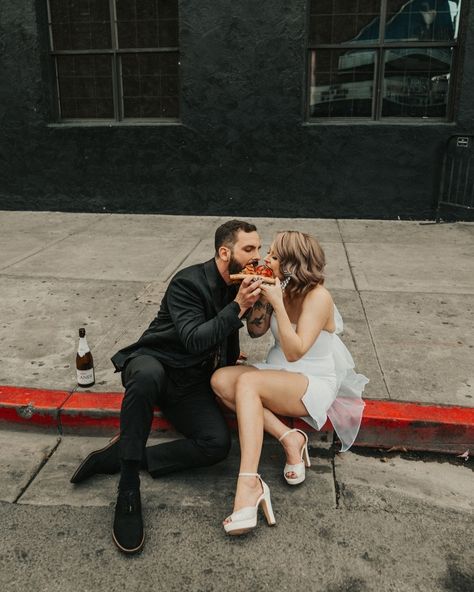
(405, 291)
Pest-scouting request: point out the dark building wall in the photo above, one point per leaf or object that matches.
(242, 146)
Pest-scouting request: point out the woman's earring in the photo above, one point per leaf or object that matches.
(285, 282)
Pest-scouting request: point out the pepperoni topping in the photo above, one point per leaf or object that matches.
(261, 270)
(264, 270)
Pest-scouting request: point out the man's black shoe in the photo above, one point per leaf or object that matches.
(127, 531)
(105, 461)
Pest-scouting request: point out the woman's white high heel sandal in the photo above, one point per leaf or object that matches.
(245, 519)
(298, 469)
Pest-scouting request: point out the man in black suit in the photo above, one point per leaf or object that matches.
(195, 332)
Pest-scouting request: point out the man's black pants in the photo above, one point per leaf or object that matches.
(185, 397)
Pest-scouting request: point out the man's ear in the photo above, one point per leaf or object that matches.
(224, 253)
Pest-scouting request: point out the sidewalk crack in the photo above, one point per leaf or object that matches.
(40, 466)
(372, 339)
(337, 486)
(48, 245)
(182, 260)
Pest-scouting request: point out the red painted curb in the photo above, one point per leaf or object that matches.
(417, 426)
(386, 424)
(98, 412)
(31, 407)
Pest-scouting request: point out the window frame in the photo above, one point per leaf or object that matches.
(379, 47)
(117, 82)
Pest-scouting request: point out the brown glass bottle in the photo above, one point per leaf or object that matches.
(84, 362)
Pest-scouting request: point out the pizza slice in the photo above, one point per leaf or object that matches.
(257, 271)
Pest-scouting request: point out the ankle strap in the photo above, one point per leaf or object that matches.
(293, 430)
(286, 434)
(249, 475)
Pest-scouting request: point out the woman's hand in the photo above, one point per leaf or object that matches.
(273, 293)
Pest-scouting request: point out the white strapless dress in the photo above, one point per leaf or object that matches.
(334, 389)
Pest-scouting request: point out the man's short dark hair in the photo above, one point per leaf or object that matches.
(226, 234)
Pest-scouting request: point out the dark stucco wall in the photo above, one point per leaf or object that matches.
(242, 146)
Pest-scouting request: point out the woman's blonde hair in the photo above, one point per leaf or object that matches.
(302, 256)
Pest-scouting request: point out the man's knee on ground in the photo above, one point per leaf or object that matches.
(145, 379)
(215, 447)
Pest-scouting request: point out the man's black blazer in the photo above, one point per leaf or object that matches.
(197, 318)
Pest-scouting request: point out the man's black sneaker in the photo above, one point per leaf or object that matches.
(127, 531)
(105, 461)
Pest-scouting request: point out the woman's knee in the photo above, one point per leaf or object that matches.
(246, 391)
(219, 382)
(223, 385)
(247, 384)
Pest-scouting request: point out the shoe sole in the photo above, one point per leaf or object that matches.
(128, 551)
(239, 531)
(89, 456)
(244, 529)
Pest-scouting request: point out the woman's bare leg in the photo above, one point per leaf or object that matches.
(278, 391)
(224, 383)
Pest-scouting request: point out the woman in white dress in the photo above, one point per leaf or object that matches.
(318, 379)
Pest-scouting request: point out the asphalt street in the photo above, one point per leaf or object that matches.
(362, 522)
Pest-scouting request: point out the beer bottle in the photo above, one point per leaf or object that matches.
(84, 362)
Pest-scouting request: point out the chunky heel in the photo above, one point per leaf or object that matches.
(305, 455)
(244, 520)
(298, 469)
(268, 510)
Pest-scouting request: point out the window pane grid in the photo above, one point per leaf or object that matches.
(82, 24)
(337, 21)
(409, 44)
(342, 84)
(150, 85)
(115, 59)
(85, 86)
(147, 23)
(416, 85)
(421, 20)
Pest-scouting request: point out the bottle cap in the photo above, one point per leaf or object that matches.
(82, 332)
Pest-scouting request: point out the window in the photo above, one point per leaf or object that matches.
(115, 59)
(382, 59)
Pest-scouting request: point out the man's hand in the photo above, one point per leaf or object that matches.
(248, 294)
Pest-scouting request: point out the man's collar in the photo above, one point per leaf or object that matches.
(214, 278)
(216, 283)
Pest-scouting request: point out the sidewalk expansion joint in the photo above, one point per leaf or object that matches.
(337, 486)
(40, 466)
(372, 339)
(59, 424)
(46, 247)
(182, 260)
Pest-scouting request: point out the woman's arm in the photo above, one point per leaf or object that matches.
(315, 313)
(258, 319)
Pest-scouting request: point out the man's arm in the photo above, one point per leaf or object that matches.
(187, 308)
(258, 320)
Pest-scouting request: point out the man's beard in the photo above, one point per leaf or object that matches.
(234, 265)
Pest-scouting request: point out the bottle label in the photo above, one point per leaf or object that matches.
(85, 376)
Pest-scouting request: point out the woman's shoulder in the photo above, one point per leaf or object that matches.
(319, 303)
(319, 295)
